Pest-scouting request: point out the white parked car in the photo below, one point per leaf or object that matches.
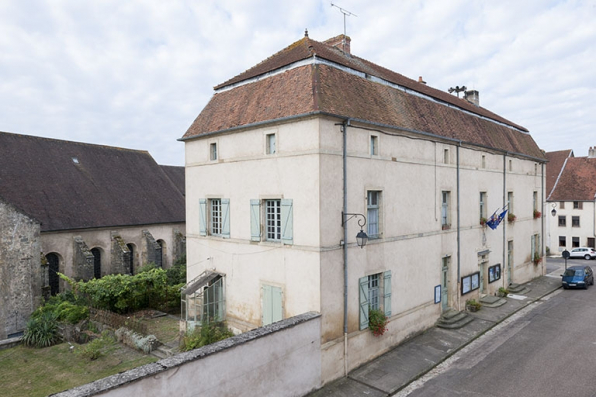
(583, 252)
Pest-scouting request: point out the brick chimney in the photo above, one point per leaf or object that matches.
(592, 152)
(473, 97)
(342, 42)
(421, 81)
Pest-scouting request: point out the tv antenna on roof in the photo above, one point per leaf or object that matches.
(346, 14)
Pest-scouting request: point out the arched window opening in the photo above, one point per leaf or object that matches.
(96, 263)
(53, 269)
(131, 259)
(159, 253)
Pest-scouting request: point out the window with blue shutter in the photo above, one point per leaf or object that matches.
(363, 299)
(287, 221)
(225, 211)
(387, 293)
(255, 220)
(272, 304)
(202, 218)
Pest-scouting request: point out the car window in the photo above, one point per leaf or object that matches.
(569, 273)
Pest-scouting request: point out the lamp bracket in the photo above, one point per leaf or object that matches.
(345, 217)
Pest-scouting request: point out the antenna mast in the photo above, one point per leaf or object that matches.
(346, 13)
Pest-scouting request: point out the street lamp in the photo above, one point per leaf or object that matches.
(361, 237)
(554, 211)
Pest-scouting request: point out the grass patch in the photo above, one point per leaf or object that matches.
(26, 372)
(166, 328)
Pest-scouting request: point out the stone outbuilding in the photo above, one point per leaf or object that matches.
(83, 210)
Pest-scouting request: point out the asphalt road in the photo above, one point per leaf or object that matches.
(546, 349)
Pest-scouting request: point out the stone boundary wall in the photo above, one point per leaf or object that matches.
(283, 358)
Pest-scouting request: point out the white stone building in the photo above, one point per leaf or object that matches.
(571, 193)
(283, 149)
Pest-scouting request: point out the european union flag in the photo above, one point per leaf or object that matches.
(495, 220)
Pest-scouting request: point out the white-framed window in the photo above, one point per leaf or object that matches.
(271, 143)
(575, 221)
(213, 151)
(577, 205)
(510, 202)
(214, 217)
(374, 145)
(374, 293)
(373, 205)
(273, 220)
(510, 165)
(535, 201)
(445, 213)
(446, 156)
(482, 205)
(276, 222)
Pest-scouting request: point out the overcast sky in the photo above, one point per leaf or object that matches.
(136, 73)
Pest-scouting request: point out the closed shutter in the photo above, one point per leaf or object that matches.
(202, 212)
(287, 221)
(255, 220)
(272, 304)
(387, 292)
(225, 211)
(363, 293)
(532, 248)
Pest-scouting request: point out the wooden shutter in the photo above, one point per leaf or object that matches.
(272, 304)
(225, 213)
(202, 212)
(255, 220)
(363, 293)
(387, 293)
(533, 243)
(287, 221)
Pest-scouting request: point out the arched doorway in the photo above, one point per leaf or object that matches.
(96, 263)
(131, 259)
(53, 269)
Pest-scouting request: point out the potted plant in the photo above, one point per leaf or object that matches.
(377, 322)
(537, 214)
(503, 292)
(483, 221)
(472, 305)
(537, 258)
(511, 218)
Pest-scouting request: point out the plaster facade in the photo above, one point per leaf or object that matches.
(411, 172)
(567, 234)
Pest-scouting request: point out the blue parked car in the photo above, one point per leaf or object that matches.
(578, 277)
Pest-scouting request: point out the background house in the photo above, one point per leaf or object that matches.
(283, 149)
(82, 210)
(571, 187)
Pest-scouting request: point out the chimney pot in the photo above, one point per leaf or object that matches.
(421, 81)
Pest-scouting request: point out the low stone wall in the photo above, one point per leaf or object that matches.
(283, 358)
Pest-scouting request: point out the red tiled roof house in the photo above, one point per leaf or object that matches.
(282, 150)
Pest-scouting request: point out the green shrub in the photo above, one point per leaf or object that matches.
(207, 334)
(96, 348)
(42, 330)
(123, 293)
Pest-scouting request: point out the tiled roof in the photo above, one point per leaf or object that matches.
(556, 161)
(176, 175)
(577, 182)
(313, 88)
(70, 185)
